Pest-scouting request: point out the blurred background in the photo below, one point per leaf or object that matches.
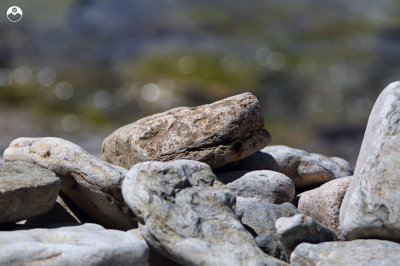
(79, 69)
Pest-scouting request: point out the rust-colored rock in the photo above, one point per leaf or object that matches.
(323, 203)
(217, 134)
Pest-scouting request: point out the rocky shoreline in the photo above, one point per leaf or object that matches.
(200, 186)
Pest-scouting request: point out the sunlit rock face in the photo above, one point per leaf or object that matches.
(187, 215)
(370, 208)
(92, 184)
(217, 134)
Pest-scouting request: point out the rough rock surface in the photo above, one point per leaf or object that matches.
(300, 228)
(261, 219)
(323, 203)
(186, 215)
(370, 208)
(26, 190)
(217, 134)
(87, 244)
(347, 253)
(260, 186)
(305, 169)
(93, 185)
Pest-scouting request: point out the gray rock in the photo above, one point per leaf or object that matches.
(305, 169)
(217, 134)
(26, 190)
(271, 245)
(261, 218)
(186, 215)
(229, 177)
(261, 186)
(323, 203)
(243, 204)
(93, 185)
(358, 252)
(370, 208)
(300, 228)
(258, 161)
(87, 244)
(154, 259)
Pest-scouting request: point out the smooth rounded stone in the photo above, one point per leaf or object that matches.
(260, 218)
(93, 185)
(217, 134)
(307, 169)
(87, 244)
(300, 228)
(347, 253)
(261, 186)
(26, 190)
(370, 208)
(323, 203)
(186, 215)
(264, 184)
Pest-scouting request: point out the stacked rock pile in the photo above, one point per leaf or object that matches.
(198, 186)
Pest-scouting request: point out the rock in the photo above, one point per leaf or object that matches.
(87, 244)
(370, 208)
(229, 177)
(260, 186)
(186, 215)
(155, 259)
(93, 185)
(300, 228)
(264, 184)
(261, 219)
(323, 203)
(357, 252)
(217, 134)
(271, 245)
(257, 161)
(26, 190)
(307, 169)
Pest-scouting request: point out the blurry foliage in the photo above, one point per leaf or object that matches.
(313, 65)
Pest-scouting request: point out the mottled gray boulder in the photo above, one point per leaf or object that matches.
(154, 258)
(305, 169)
(93, 185)
(87, 244)
(260, 186)
(217, 134)
(323, 203)
(186, 215)
(347, 253)
(261, 218)
(26, 190)
(300, 228)
(370, 208)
